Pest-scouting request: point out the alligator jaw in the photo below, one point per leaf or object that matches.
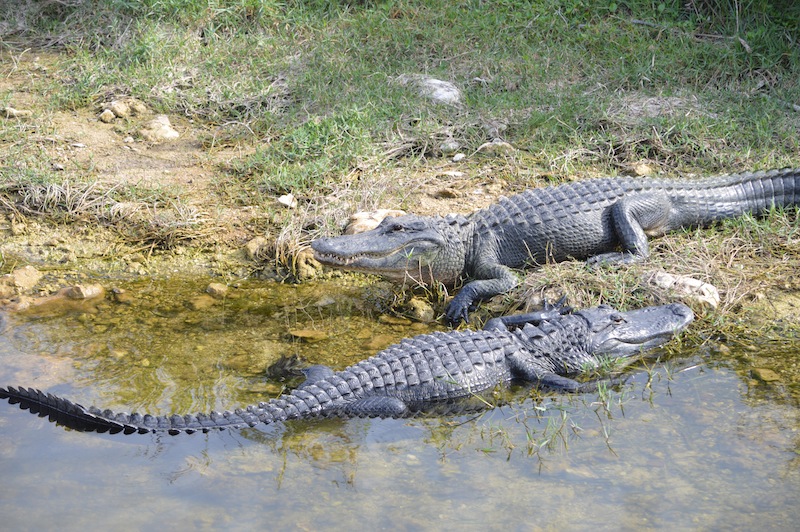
(400, 265)
(398, 248)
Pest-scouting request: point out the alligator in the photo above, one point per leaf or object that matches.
(547, 347)
(606, 220)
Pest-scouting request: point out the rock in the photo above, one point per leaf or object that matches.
(698, 290)
(125, 107)
(217, 290)
(107, 116)
(366, 220)
(6, 291)
(257, 249)
(119, 108)
(765, 375)
(496, 147)
(642, 169)
(379, 341)
(449, 146)
(309, 335)
(122, 296)
(201, 302)
(420, 310)
(435, 89)
(288, 200)
(26, 277)
(136, 107)
(305, 265)
(159, 129)
(458, 157)
(393, 320)
(494, 129)
(10, 112)
(83, 291)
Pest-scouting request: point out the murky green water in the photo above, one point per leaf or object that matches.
(694, 444)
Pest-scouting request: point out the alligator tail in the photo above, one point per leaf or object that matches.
(755, 192)
(78, 417)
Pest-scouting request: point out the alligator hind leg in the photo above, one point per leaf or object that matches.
(522, 367)
(314, 374)
(634, 217)
(376, 406)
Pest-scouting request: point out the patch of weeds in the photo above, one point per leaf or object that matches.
(306, 156)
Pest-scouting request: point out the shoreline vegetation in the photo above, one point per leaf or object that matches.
(147, 138)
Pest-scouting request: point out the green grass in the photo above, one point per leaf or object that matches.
(309, 86)
(550, 70)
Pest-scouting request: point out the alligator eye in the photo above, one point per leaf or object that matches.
(618, 318)
(398, 228)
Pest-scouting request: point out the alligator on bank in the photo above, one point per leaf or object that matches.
(420, 373)
(588, 219)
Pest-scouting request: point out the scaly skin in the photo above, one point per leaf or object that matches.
(593, 218)
(546, 348)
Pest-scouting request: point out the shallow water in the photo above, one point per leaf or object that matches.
(691, 443)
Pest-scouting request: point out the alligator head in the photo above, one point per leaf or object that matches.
(421, 248)
(618, 333)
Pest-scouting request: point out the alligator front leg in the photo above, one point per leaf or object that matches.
(633, 218)
(549, 311)
(491, 280)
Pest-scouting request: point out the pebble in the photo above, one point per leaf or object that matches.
(107, 116)
(288, 200)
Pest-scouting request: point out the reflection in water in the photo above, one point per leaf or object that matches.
(696, 442)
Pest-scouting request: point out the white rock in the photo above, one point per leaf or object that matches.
(698, 290)
(435, 89)
(288, 200)
(159, 129)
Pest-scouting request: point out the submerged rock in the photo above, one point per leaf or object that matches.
(765, 375)
(217, 290)
(309, 335)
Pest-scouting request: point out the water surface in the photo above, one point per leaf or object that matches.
(693, 442)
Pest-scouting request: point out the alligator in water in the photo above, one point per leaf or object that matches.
(547, 348)
(592, 218)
